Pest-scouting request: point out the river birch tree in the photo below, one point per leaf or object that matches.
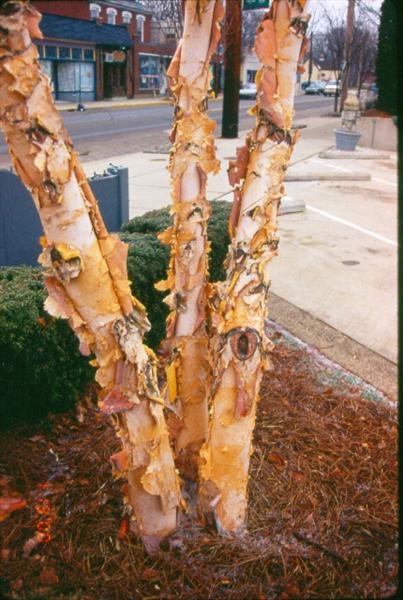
(216, 348)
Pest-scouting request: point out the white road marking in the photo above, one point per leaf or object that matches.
(330, 166)
(384, 181)
(349, 224)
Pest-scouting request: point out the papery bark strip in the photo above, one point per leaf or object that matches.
(240, 348)
(192, 159)
(86, 275)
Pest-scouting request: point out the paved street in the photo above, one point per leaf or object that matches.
(103, 133)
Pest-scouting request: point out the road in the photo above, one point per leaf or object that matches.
(99, 134)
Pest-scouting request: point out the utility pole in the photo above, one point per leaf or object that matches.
(310, 58)
(232, 67)
(347, 51)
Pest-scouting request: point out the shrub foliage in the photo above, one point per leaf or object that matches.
(41, 369)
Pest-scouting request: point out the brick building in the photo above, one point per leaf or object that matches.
(102, 49)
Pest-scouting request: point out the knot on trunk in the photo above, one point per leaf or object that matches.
(243, 342)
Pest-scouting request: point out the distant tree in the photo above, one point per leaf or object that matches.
(386, 64)
(168, 14)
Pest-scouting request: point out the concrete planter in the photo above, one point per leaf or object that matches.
(379, 133)
(346, 140)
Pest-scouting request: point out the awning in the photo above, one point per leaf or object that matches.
(81, 30)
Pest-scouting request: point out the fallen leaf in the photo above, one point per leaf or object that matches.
(9, 505)
(32, 543)
(297, 476)
(277, 460)
(49, 576)
(5, 553)
(123, 528)
(149, 574)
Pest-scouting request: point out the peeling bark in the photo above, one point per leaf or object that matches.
(86, 276)
(192, 159)
(240, 347)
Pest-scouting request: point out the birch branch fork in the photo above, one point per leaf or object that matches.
(192, 158)
(240, 348)
(86, 276)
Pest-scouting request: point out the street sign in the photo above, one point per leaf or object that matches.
(255, 4)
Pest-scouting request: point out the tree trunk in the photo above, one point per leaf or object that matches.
(192, 158)
(86, 276)
(241, 348)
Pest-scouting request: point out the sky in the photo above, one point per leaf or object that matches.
(336, 7)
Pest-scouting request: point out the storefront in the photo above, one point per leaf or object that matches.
(71, 70)
(86, 60)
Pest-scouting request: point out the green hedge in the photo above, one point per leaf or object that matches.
(41, 369)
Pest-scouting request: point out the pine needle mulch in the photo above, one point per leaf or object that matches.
(322, 519)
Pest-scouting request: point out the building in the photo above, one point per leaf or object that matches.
(102, 49)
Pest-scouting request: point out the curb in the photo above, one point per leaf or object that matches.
(368, 365)
(115, 106)
(328, 177)
(355, 155)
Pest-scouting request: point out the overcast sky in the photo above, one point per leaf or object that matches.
(337, 7)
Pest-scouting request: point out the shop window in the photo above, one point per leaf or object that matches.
(126, 16)
(65, 53)
(76, 53)
(50, 51)
(149, 72)
(88, 54)
(250, 76)
(111, 15)
(73, 76)
(140, 27)
(47, 68)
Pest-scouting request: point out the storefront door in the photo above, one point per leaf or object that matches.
(114, 80)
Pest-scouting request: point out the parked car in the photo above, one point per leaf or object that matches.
(304, 85)
(248, 91)
(331, 87)
(315, 87)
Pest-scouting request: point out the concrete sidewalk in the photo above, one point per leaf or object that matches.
(335, 278)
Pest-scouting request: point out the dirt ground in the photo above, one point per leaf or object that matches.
(322, 521)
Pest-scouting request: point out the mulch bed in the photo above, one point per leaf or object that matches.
(322, 520)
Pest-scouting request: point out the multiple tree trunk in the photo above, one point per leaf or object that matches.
(216, 349)
(86, 277)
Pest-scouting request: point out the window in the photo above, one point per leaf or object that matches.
(41, 50)
(50, 51)
(47, 68)
(140, 26)
(65, 53)
(76, 53)
(250, 75)
(149, 72)
(88, 54)
(111, 15)
(95, 11)
(126, 16)
(73, 76)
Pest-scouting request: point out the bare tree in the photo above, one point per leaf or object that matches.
(168, 15)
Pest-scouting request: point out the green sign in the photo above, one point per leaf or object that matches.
(255, 4)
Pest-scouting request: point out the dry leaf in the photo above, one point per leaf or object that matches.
(49, 576)
(277, 460)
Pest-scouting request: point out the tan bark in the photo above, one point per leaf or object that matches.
(192, 158)
(241, 349)
(86, 275)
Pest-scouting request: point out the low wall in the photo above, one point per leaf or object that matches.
(20, 227)
(377, 132)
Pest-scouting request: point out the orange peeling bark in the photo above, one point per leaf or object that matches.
(241, 349)
(85, 275)
(192, 159)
